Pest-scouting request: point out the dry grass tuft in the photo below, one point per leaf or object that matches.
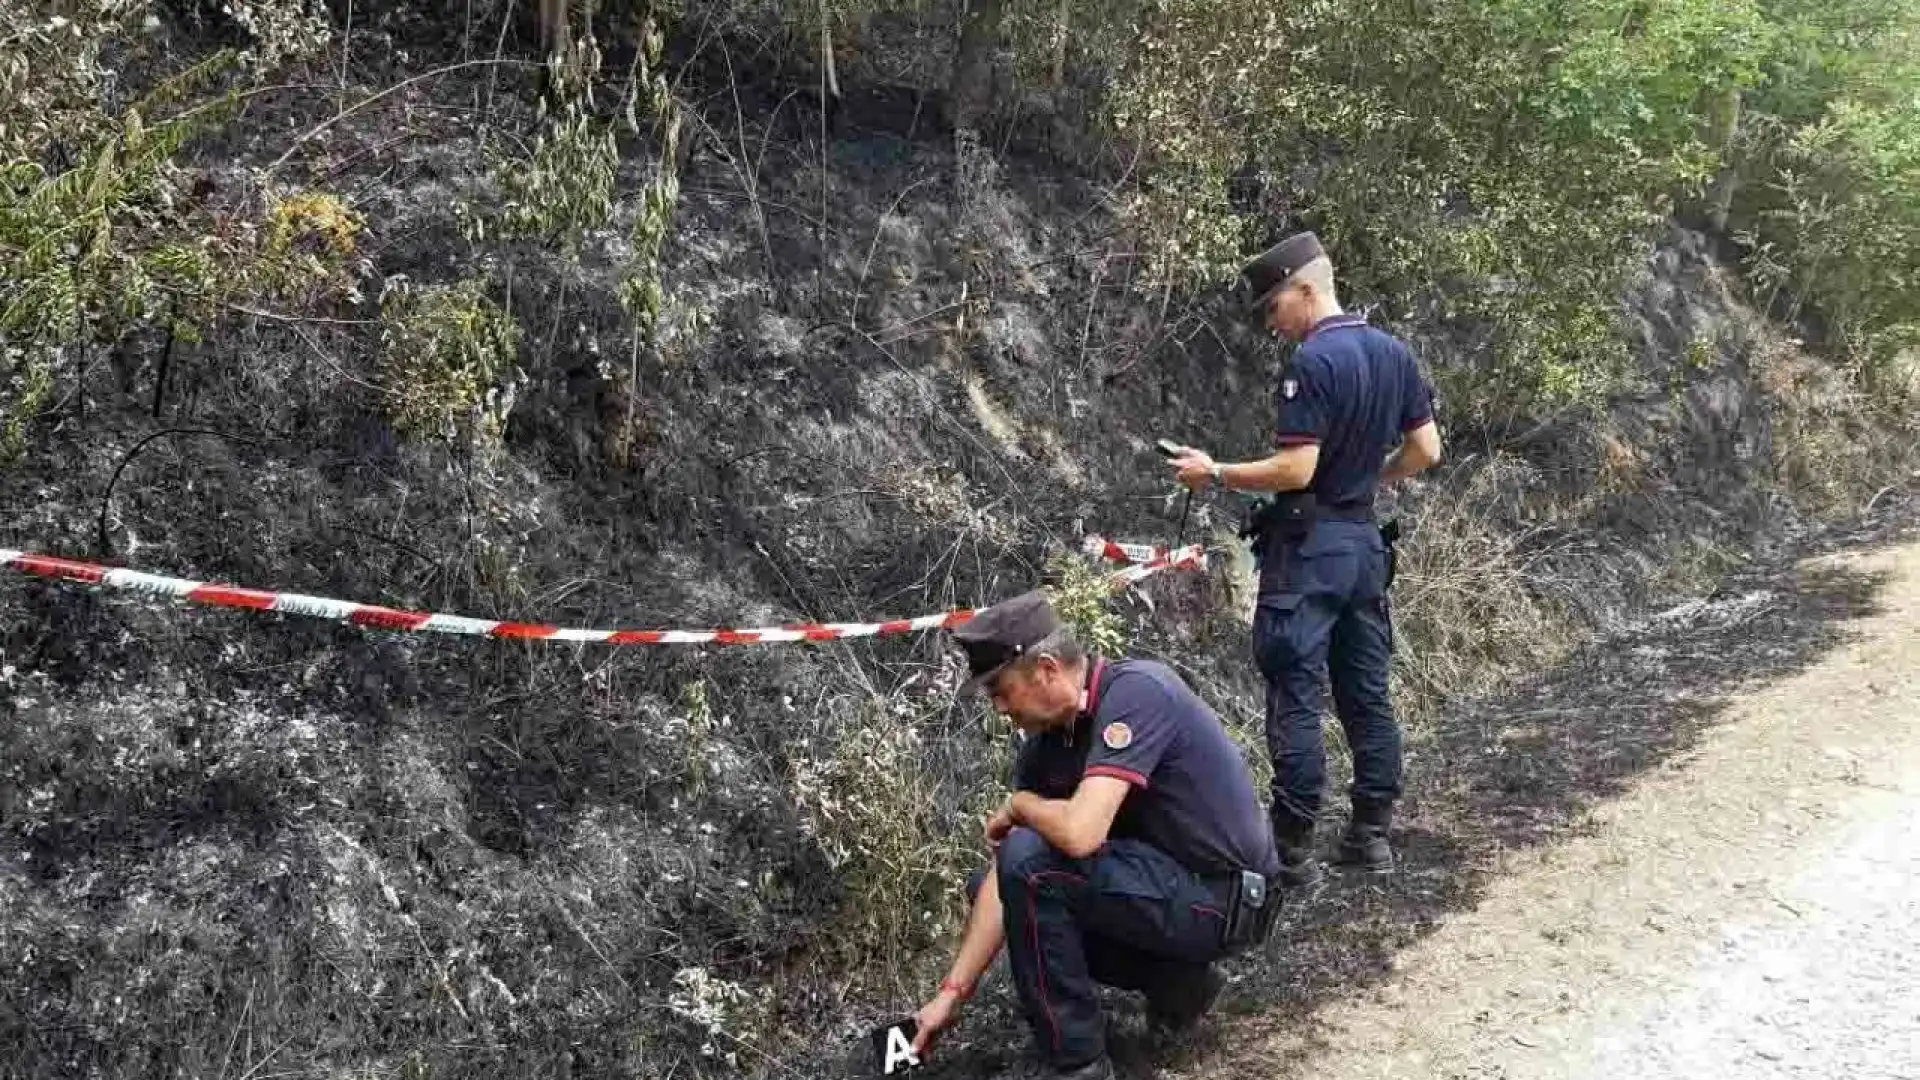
(878, 808)
(1835, 441)
(1468, 614)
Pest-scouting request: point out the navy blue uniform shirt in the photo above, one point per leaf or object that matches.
(1355, 390)
(1192, 793)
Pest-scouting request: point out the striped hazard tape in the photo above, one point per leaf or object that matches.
(1115, 551)
(385, 618)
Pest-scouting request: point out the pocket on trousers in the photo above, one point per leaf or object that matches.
(1271, 648)
(1144, 897)
(1372, 569)
(1128, 867)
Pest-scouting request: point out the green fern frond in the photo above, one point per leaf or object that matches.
(175, 89)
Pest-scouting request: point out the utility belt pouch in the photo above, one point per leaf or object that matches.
(1390, 534)
(1291, 517)
(1250, 914)
(1253, 518)
(1282, 521)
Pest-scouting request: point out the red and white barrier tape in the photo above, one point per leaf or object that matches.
(1184, 558)
(1115, 551)
(384, 618)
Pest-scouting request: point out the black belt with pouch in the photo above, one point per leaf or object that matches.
(1272, 524)
(1284, 519)
(1251, 907)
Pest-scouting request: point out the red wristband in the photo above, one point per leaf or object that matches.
(963, 991)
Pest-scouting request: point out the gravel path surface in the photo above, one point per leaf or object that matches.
(1833, 992)
(1748, 909)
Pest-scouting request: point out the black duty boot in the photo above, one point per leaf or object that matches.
(1175, 1009)
(1299, 869)
(1100, 1068)
(1365, 846)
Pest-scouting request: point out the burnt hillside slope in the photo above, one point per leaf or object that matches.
(890, 379)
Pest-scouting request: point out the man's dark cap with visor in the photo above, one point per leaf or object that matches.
(1002, 634)
(1270, 272)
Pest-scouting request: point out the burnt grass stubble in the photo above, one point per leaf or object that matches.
(474, 777)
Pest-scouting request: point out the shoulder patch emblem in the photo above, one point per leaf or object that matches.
(1289, 388)
(1117, 736)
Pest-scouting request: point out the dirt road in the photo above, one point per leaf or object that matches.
(1748, 908)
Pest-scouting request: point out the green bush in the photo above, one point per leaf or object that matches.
(101, 232)
(1083, 598)
(872, 801)
(90, 254)
(1497, 165)
(1831, 203)
(564, 187)
(447, 350)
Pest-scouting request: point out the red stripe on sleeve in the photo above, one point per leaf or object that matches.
(1299, 440)
(1415, 425)
(1118, 773)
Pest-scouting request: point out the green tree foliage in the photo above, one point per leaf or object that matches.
(1503, 163)
(1499, 167)
(1830, 170)
(1498, 163)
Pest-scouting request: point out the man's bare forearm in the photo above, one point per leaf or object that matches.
(984, 935)
(1053, 819)
(1267, 476)
(1417, 453)
(1398, 467)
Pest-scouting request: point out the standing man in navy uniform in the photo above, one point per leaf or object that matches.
(1354, 412)
(1134, 851)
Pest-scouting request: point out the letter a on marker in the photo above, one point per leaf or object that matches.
(899, 1052)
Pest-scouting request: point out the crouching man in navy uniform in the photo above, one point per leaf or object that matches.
(1134, 851)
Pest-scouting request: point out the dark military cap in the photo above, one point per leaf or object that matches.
(1003, 633)
(1265, 275)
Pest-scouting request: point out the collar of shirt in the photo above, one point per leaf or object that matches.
(1343, 321)
(1090, 694)
(1089, 702)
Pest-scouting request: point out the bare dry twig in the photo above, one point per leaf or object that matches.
(320, 128)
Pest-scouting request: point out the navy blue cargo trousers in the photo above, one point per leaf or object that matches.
(1323, 616)
(1129, 916)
